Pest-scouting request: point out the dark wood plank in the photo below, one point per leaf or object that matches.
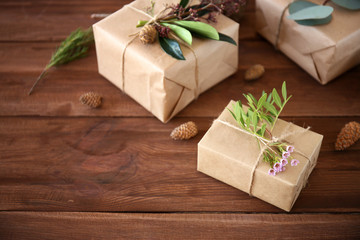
(35, 21)
(58, 93)
(54, 225)
(131, 164)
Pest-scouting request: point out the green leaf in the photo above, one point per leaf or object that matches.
(283, 91)
(200, 28)
(171, 47)
(299, 12)
(349, 4)
(181, 32)
(184, 3)
(254, 119)
(247, 120)
(232, 113)
(263, 129)
(276, 98)
(269, 98)
(253, 98)
(309, 14)
(141, 23)
(261, 100)
(270, 108)
(226, 38)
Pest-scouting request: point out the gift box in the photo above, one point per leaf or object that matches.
(160, 83)
(324, 51)
(232, 156)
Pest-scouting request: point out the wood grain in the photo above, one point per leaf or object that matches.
(130, 164)
(58, 93)
(54, 225)
(114, 173)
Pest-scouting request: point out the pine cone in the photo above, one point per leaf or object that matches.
(254, 72)
(148, 34)
(184, 131)
(348, 135)
(91, 99)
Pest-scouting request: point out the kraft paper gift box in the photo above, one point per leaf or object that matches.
(230, 155)
(324, 51)
(160, 83)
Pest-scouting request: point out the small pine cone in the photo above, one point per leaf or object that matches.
(91, 99)
(148, 34)
(348, 135)
(254, 72)
(184, 131)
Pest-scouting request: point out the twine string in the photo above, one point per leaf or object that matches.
(154, 19)
(265, 142)
(277, 37)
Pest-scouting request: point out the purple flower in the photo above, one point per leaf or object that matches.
(286, 154)
(283, 169)
(272, 172)
(284, 162)
(294, 162)
(277, 167)
(290, 149)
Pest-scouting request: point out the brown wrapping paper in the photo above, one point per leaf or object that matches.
(160, 83)
(324, 51)
(229, 155)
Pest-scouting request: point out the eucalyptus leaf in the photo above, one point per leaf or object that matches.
(349, 4)
(276, 98)
(184, 3)
(181, 32)
(171, 47)
(316, 12)
(283, 91)
(309, 14)
(200, 28)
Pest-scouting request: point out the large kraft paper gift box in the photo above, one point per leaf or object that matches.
(160, 83)
(229, 155)
(324, 51)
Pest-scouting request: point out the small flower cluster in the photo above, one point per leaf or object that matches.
(162, 30)
(279, 165)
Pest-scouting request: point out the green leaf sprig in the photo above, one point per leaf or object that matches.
(310, 14)
(73, 47)
(181, 23)
(259, 120)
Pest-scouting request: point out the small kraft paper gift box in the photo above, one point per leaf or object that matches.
(160, 83)
(324, 51)
(230, 155)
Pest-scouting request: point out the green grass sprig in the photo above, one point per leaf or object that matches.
(75, 46)
(260, 119)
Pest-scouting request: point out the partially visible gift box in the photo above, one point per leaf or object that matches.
(324, 51)
(230, 155)
(160, 83)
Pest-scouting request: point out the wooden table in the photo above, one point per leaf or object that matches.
(71, 172)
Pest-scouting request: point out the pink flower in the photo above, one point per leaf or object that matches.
(290, 149)
(272, 172)
(283, 169)
(277, 167)
(294, 162)
(284, 162)
(286, 154)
